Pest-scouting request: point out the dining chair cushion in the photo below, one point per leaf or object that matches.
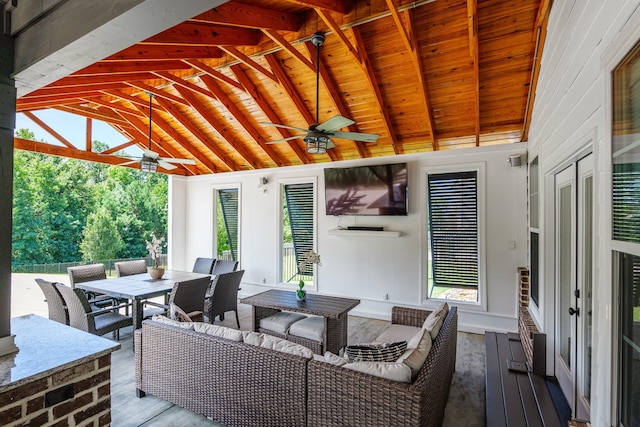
(311, 328)
(165, 320)
(176, 313)
(376, 352)
(280, 321)
(394, 371)
(397, 332)
(219, 331)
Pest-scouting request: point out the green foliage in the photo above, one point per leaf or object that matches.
(61, 203)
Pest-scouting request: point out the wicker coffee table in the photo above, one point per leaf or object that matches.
(333, 309)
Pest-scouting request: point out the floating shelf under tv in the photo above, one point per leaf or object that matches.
(364, 233)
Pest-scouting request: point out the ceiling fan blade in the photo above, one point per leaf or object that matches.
(130, 162)
(334, 123)
(282, 126)
(166, 165)
(356, 136)
(150, 154)
(180, 161)
(330, 144)
(285, 139)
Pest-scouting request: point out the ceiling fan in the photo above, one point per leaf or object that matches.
(150, 160)
(318, 135)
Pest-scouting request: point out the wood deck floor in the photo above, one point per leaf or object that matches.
(466, 399)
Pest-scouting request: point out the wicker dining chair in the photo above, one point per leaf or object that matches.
(223, 296)
(204, 265)
(55, 302)
(129, 268)
(188, 295)
(81, 315)
(224, 266)
(87, 273)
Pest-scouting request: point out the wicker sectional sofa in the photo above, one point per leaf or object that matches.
(240, 384)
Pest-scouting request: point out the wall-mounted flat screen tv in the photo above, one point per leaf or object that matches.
(366, 190)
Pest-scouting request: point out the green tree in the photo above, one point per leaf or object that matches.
(101, 239)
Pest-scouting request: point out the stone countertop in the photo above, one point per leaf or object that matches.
(46, 347)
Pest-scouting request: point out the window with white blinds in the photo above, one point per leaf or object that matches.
(298, 229)
(227, 224)
(453, 229)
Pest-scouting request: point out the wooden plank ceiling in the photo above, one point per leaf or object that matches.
(424, 75)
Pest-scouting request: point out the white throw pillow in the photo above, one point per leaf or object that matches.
(395, 333)
(415, 357)
(284, 346)
(219, 331)
(334, 359)
(165, 320)
(253, 338)
(176, 313)
(394, 371)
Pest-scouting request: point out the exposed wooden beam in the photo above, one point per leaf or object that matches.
(244, 121)
(284, 44)
(406, 38)
(199, 134)
(123, 67)
(335, 28)
(535, 74)
(197, 33)
(100, 80)
(264, 105)
(249, 62)
(184, 83)
(89, 134)
(332, 89)
(112, 105)
(56, 150)
(340, 6)
(153, 52)
(215, 73)
(159, 92)
(543, 14)
(98, 114)
(49, 103)
(472, 14)
(206, 113)
(372, 80)
(133, 100)
(49, 129)
(71, 90)
(119, 147)
(246, 15)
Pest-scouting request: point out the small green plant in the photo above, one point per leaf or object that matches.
(300, 292)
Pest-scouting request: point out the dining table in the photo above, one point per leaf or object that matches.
(139, 287)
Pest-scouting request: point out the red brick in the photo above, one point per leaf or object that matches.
(72, 373)
(62, 423)
(37, 421)
(35, 404)
(104, 361)
(11, 414)
(92, 411)
(65, 408)
(93, 381)
(105, 419)
(104, 391)
(22, 392)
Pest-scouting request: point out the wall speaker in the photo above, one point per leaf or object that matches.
(515, 161)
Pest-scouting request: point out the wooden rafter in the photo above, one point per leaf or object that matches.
(112, 105)
(197, 133)
(197, 33)
(340, 6)
(249, 62)
(88, 135)
(98, 114)
(56, 150)
(246, 15)
(45, 92)
(207, 114)
(123, 67)
(372, 80)
(242, 119)
(153, 52)
(132, 99)
(49, 102)
(184, 83)
(119, 147)
(242, 76)
(158, 92)
(282, 42)
(335, 28)
(100, 80)
(49, 129)
(215, 73)
(541, 35)
(472, 13)
(406, 37)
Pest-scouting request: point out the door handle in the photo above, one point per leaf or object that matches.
(573, 311)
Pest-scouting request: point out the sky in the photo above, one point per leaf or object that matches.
(72, 127)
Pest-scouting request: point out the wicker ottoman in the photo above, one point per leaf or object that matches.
(278, 324)
(308, 332)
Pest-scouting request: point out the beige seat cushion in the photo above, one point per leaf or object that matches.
(165, 320)
(433, 324)
(395, 333)
(280, 322)
(415, 357)
(219, 331)
(311, 328)
(394, 371)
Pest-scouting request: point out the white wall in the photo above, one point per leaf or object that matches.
(571, 116)
(367, 267)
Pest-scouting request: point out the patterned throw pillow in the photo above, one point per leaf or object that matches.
(176, 313)
(376, 352)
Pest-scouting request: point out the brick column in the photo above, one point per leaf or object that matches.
(7, 125)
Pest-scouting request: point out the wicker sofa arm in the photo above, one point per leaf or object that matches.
(408, 316)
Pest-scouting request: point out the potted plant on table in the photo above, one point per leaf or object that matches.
(155, 250)
(307, 260)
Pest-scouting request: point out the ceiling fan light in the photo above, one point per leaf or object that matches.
(317, 144)
(147, 165)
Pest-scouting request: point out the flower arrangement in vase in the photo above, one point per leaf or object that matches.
(155, 250)
(308, 258)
